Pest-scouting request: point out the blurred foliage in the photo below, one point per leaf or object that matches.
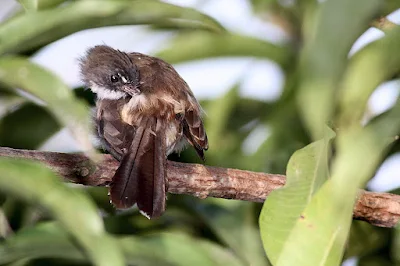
(39, 126)
(308, 222)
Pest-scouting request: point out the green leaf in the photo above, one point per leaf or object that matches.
(319, 237)
(324, 58)
(233, 223)
(362, 149)
(45, 240)
(216, 124)
(18, 72)
(48, 240)
(33, 182)
(5, 229)
(33, 5)
(396, 245)
(28, 4)
(366, 239)
(22, 262)
(8, 102)
(35, 29)
(177, 249)
(37, 126)
(307, 170)
(390, 6)
(199, 45)
(367, 69)
(274, 154)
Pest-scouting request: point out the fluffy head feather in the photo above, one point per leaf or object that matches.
(110, 73)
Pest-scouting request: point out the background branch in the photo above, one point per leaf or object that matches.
(380, 209)
(384, 24)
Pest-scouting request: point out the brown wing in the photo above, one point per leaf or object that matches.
(193, 129)
(115, 135)
(140, 177)
(156, 74)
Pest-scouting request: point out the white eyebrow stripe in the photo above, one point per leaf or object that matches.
(124, 80)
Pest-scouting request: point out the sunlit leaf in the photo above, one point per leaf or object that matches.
(34, 29)
(324, 59)
(367, 69)
(28, 4)
(199, 45)
(323, 227)
(306, 172)
(20, 73)
(33, 5)
(33, 182)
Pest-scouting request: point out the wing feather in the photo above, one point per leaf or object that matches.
(140, 177)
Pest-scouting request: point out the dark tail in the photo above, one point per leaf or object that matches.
(140, 177)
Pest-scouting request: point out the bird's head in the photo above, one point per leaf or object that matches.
(110, 73)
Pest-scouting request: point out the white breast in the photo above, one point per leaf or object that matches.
(138, 102)
(171, 141)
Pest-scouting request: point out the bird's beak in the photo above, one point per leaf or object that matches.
(131, 89)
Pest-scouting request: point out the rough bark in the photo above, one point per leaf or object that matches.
(380, 209)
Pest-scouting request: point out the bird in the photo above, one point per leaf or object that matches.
(144, 112)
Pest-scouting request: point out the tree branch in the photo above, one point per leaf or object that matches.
(380, 209)
(383, 24)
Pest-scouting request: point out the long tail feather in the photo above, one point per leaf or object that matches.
(140, 177)
(151, 200)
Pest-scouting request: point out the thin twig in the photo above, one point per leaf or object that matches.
(383, 24)
(380, 209)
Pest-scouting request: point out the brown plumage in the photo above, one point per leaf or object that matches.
(145, 111)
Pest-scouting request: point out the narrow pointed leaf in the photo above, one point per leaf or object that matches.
(40, 28)
(33, 5)
(20, 73)
(199, 45)
(31, 181)
(324, 59)
(48, 240)
(29, 5)
(367, 69)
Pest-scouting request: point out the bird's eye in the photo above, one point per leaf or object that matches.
(114, 78)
